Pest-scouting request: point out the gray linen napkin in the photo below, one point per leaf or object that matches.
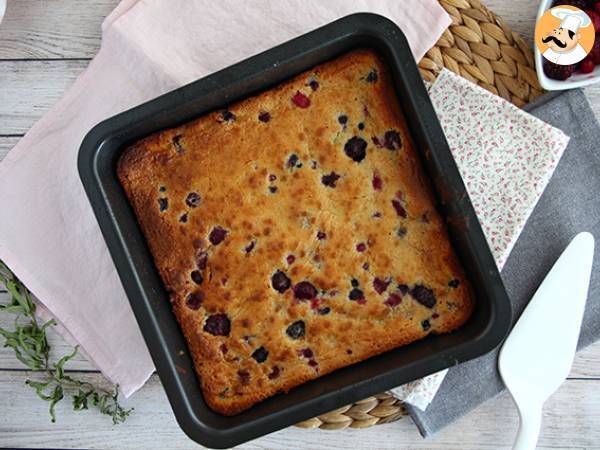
(570, 204)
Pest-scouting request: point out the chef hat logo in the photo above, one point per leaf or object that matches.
(564, 35)
(570, 19)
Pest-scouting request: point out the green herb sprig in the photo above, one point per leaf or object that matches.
(30, 344)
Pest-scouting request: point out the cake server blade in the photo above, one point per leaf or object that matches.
(537, 355)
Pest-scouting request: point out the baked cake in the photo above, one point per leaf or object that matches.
(296, 232)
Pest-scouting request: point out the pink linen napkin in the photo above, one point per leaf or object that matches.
(51, 239)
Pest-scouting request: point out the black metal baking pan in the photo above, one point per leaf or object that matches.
(97, 161)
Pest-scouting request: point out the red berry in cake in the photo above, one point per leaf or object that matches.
(380, 285)
(290, 259)
(179, 148)
(306, 352)
(272, 177)
(330, 180)
(587, 65)
(280, 282)
(296, 330)
(264, 117)
(196, 277)
(399, 208)
(217, 235)
(361, 247)
(193, 199)
(356, 148)
(300, 100)
(393, 300)
(260, 354)
(558, 72)
(305, 291)
(244, 376)
(201, 260)
(194, 300)
(377, 142)
(274, 373)
(392, 140)
(314, 303)
(423, 295)
(218, 325)
(377, 182)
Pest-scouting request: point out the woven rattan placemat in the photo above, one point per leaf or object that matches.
(480, 47)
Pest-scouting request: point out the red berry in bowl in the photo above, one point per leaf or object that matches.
(581, 4)
(595, 17)
(558, 72)
(586, 66)
(594, 54)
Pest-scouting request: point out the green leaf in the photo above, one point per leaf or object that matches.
(57, 396)
(30, 345)
(59, 371)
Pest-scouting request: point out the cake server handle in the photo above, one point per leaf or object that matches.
(530, 416)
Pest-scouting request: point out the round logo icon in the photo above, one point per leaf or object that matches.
(564, 35)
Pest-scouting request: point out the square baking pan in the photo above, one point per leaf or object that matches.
(103, 145)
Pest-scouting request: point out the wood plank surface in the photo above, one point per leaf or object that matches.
(52, 28)
(30, 88)
(44, 46)
(571, 419)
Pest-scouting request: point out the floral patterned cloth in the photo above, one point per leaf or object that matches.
(506, 158)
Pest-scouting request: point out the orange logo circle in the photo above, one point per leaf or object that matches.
(564, 35)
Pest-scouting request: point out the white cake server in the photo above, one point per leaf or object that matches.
(537, 355)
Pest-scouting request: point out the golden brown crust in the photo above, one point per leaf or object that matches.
(270, 208)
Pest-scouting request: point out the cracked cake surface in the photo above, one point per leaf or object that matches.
(296, 232)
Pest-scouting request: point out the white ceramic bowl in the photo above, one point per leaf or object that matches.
(574, 81)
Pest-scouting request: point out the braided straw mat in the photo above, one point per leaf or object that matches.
(480, 47)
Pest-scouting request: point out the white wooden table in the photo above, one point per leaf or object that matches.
(44, 45)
